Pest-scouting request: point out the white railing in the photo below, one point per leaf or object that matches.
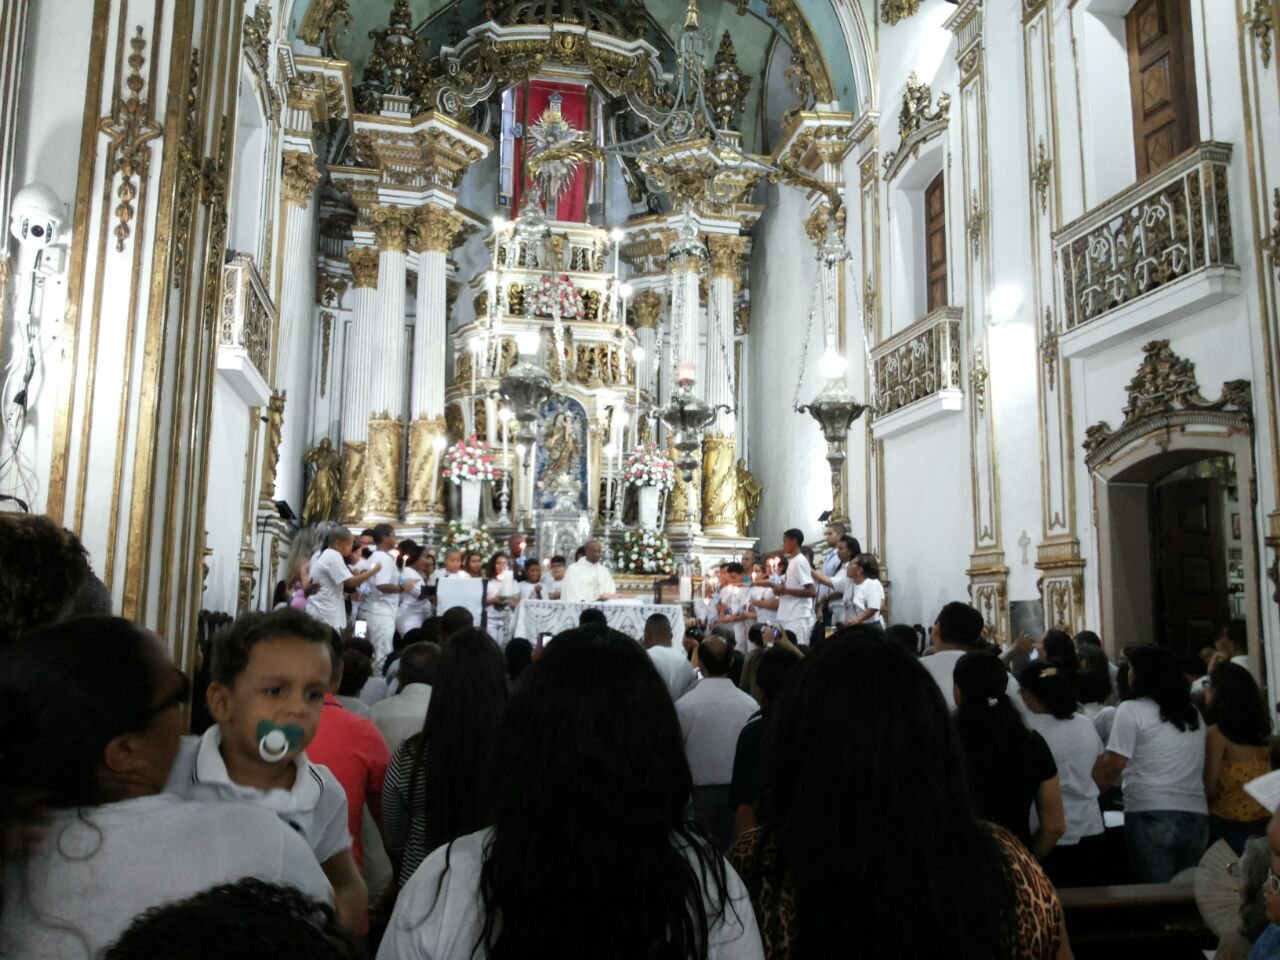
(247, 315)
(918, 362)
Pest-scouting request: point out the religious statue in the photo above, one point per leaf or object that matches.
(562, 446)
(275, 427)
(748, 496)
(323, 491)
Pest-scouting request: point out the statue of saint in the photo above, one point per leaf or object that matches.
(275, 428)
(562, 445)
(323, 491)
(748, 497)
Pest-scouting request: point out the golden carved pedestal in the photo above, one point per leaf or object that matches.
(353, 464)
(719, 487)
(424, 502)
(382, 471)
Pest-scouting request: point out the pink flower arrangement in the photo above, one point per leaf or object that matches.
(557, 297)
(647, 466)
(469, 459)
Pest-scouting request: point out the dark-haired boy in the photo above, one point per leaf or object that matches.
(269, 676)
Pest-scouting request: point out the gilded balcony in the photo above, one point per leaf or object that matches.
(917, 372)
(245, 325)
(1158, 251)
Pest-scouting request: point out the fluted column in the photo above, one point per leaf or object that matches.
(437, 229)
(387, 369)
(646, 311)
(356, 387)
(296, 310)
(719, 479)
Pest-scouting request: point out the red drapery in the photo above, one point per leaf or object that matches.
(532, 99)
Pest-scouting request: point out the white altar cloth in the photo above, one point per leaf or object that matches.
(534, 617)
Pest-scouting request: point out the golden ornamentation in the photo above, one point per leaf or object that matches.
(1259, 23)
(988, 591)
(1271, 242)
(326, 338)
(719, 486)
(515, 299)
(974, 223)
(330, 476)
(893, 11)
(330, 288)
(741, 323)
(327, 17)
(746, 498)
(299, 177)
(806, 58)
(437, 228)
(364, 267)
(978, 376)
(726, 255)
(397, 65)
(1049, 347)
(646, 310)
(726, 86)
(391, 227)
(919, 361)
(424, 466)
(188, 177)
(353, 473)
(257, 34)
(455, 421)
(271, 448)
(382, 470)
(1164, 393)
(1169, 226)
(130, 130)
(244, 593)
(683, 507)
(970, 61)
(247, 317)
(916, 110)
(1041, 176)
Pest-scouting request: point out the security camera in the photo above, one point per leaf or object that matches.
(36, 222)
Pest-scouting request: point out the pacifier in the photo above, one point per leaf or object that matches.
(274, 743)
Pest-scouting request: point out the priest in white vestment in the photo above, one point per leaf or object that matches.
(588, 579)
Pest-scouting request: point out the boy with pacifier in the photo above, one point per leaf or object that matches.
(269, 676)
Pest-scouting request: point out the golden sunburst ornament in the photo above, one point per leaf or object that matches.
(549, 132)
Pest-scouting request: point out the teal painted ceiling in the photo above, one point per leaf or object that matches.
(751, 34)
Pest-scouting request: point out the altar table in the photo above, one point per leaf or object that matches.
(535, 617)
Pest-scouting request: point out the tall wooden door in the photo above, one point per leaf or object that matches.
(1162, 80)
(1191, 568)
(935, 233)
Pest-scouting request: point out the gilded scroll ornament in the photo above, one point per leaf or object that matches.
(328, 18)
(397, 65)
(391, 227)
(1049, 348)
(424, 465)
(974, 224)
(682, 504)
(646, 309)
(244, 593)
(330, 288)
(726, 255)
(188, 182)
(916, 110)
(364, 267)
(719, 486)
(1271, 243)
(130, 130)
(1165, 386)
(1041, 175)
(893, 11)
(978, 376)
(299, 176)
(325, 469)
(257, 34)
(1259, 23)
(326, 339)
(271, 449)
(807, 57)
(437, 229)
(382, 468)
(747, 497)
(353, 473)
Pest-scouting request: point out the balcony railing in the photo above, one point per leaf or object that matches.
(1171, 225)
(247, 313)
(919, 362)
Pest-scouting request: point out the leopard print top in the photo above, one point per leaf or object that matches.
(1039, 914)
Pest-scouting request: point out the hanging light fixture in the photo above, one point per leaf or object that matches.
(525, 386)
(687, 417)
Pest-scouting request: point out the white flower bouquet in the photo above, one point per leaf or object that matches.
(469, 539)
(646, 551)
(647, 466)
(469, 459)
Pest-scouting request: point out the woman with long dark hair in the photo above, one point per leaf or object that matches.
(590, 854)
(1157, 745)
(434, 790)
(869, 845)
(90, 721)
(1236, 751)
(1013, 768)
(1049, 694)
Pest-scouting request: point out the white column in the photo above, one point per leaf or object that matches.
(437, 228)
(684, 313)
(356, 402)
(726, 252)
(386, 396)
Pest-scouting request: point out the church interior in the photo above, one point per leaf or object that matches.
(993, 285)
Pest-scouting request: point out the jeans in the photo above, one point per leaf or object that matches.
(1163, 843)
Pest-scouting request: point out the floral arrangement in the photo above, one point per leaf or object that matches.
(469, 459)
(556, 297)
(468, 539)
(646, 551)
(647, 466)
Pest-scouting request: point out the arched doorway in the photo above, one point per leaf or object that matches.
(1174, 493)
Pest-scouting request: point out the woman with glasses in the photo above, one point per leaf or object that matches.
(90, 719)
(1236, 751)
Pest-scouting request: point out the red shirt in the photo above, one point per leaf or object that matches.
(354, 751)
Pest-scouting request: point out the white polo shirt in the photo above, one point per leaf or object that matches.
(377, 603)
(316, 806)
(793, 608)
(330, 571)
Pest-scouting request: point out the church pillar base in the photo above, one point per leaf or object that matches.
(989, 592)
(426, 444)
(382, 473)
(1062, 584)
(353, 469)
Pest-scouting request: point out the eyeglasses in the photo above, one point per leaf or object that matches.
(179, 696)
(1272, 882)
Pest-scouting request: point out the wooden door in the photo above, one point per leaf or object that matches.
(1191, 568)
(1162, 80)
(935, 232)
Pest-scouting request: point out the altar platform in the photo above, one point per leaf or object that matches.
(534, 618)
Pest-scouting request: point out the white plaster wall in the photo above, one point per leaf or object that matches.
(224, 512)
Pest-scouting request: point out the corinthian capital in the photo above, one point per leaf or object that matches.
(300, 176)
(437, 229)
(364, 266)
(726, 255)
(391, 227)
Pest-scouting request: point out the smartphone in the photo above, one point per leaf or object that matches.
(543, 639)
(361, 631)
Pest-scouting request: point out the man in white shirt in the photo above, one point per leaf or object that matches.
(453, 565)
(672, 665)
(330, 573)
(957, 631)
(398, 718)
(712, 715)
(379, 608)
(796, 592)
(588, 579)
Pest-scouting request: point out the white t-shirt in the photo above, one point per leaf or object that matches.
(942, 667)
(1075, 746)
(842, 589)
(439, 914)
(868, 595)
(1166, 765)
(674, 668)
(97, 868)
(330, 571)
(711, 716)
(415, 606)
(377, 603)
(316, 806)
(792, 608)
(763, 614)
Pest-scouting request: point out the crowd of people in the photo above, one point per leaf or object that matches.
(791, 777)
